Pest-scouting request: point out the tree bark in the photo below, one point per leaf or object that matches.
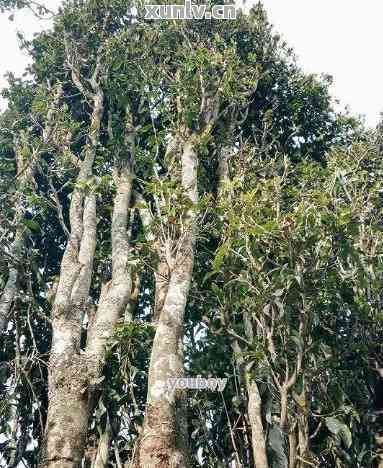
(67, 420)
(102, 454)
(303, 427)
(116, 297)
(163, 441)
(115, 294)
(293, 447)
(10, 288)
(74, 376)
(254, 409)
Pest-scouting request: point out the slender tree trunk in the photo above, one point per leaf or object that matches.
(133, 299)
(293, 449)
(102, 454)
(13, 422)
(254, 406)
(10, 289)
(26, 168)
(254, 409)
(303, 427)
(163, 440)
(115, 296)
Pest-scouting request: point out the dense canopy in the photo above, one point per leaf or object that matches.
(179, 200)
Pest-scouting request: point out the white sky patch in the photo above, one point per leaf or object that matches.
(12, 58)
(338, 37)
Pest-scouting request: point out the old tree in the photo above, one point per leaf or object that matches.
(179, 199)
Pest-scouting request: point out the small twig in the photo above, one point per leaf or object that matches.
(231, 431)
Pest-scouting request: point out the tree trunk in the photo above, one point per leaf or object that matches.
(254, 405)
(163, 441)
(102, 454)
(293, 447)
(25, 168)
(115, 295)
(67, 420)
(10, 289)
(303, 427)
(73, 375)
(254, 409)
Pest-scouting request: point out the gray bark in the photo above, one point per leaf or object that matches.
(115, 294)
(10, 289)
(254, 409)
(74, 376)
(163, 441)
(67, 420)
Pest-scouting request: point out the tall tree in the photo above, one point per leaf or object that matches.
(173, 225)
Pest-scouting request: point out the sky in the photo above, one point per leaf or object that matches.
(11, 57)
(342, 38)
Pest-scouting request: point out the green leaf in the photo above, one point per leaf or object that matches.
(31, 224)
(346, 436)
(334, 425)
(340, 429)
(209, 275)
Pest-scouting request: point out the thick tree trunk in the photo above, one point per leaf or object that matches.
(74, 375)
(163, 441)
(67, 420)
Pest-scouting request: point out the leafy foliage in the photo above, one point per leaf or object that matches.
(286, 287)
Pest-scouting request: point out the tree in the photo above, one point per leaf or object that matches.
(180, 191)
(296, 253)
